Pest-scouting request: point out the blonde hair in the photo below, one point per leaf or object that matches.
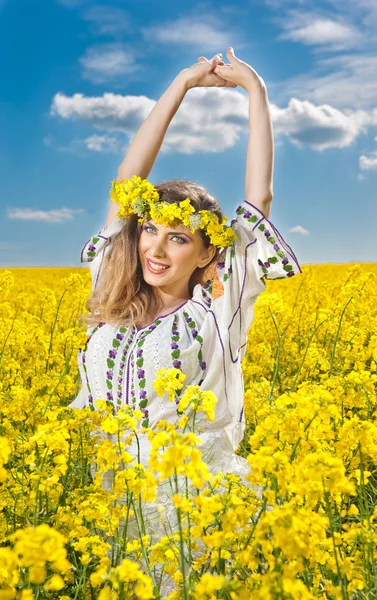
(122, 295)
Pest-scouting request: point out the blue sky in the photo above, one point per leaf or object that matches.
(79, 77)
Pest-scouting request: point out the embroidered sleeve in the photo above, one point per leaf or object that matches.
(94, 250)
(258, 253)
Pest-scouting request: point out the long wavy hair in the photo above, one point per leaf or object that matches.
(122, 296)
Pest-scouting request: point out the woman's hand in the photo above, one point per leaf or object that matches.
(202, 74)
(239, 73)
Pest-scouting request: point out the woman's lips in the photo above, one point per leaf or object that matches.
(156, 272)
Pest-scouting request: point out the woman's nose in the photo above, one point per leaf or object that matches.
(158, 247)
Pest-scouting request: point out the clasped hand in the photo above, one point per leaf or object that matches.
(215, 73)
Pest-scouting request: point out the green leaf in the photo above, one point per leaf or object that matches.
(116, 343)
(140, 361)
(91, 253)
(110, 363)
(143, 403)
(109, 384)
(142, 383)
(199, 338)
(176, 353)
(95, 240)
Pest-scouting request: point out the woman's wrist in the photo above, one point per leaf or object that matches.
(255, 86)
(182, 82)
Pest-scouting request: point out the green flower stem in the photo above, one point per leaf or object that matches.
(337, 336)
(178, 511)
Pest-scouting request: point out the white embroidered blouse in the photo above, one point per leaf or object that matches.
(206, 336)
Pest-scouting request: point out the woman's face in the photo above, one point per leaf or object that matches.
(175, 247)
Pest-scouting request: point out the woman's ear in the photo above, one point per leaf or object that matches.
(206, 256)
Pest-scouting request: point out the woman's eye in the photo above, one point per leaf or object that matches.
(174, 236)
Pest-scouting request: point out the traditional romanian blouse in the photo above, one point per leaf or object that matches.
(205, 337)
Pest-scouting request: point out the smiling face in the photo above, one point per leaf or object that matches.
(176, 248)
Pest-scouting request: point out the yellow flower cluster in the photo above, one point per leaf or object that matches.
(139, 196)
(170, 380)
(82, 516)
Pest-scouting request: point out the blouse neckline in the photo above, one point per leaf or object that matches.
(162, 316)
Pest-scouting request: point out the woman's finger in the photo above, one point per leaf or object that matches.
(218, 56)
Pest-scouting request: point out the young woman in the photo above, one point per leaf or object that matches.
(166, 296)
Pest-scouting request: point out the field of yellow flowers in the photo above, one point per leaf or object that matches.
(310, 379)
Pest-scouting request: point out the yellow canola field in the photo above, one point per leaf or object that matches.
(310, 398)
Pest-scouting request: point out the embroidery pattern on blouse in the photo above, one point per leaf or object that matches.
(175, 354)
(191, 323)
(156, 361)
(112, 354)
(99, 354)
(143, 400)
(122, 364)
(83, 362)
(89, 251)
(279, 253)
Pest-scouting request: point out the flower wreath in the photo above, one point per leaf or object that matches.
(139, 196)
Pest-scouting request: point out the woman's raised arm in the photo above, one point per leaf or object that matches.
(142, 152)
(260, 150)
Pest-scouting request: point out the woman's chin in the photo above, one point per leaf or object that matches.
(155, 278)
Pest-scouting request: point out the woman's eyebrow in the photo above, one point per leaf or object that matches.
(169, 232)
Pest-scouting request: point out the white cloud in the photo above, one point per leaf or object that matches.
(107, 20)
(200, 29)
(221, 117)
(111, 112)
(318, 127)
(85, 146)
(312, 29)
(107, 62)
(368, 163)
(350, 81)
(299, 229)
(50, 216)
(345, 80)
(101, 143)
